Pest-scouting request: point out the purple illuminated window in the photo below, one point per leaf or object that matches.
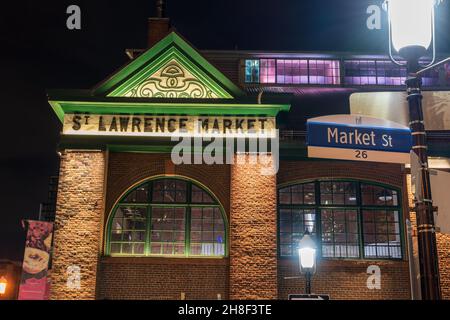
(324, 72)
(435, 77)
(360, 72)
(292, 71)
(267, 71)
(304, 71)
(374, 72)
(390, 74)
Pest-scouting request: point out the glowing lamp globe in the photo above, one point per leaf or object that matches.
(411, 24)
(307, 252)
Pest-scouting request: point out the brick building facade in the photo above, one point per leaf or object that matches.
(139, 226)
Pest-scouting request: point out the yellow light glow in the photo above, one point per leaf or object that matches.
(411, 23)
(3, 284)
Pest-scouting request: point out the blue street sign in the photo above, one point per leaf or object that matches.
(349, 137)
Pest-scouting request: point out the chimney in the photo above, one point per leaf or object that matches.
(158, 27)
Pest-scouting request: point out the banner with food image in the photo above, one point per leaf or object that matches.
(34, 284)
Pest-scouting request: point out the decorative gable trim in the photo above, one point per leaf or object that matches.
(172, 75)
(172, 47)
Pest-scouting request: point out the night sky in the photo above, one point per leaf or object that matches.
(38, 52)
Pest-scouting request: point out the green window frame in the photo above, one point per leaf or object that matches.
(167, 217)
(350, 219)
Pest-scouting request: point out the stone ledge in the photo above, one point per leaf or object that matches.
(163, 260)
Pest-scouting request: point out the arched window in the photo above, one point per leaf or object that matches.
(167, 217)
(350, 219)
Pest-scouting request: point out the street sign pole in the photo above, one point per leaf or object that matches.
(428, 255)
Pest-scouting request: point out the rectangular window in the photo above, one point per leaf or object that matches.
(338, 193)
(360, 72)
(374, 72)
(324, 72)
(251, 71)
(373, 195)
(292, 71)
(140, 195)
(340, 233)
(200, 196)
(267, 71)
(298, 194)
(169, 191)
(167, 235)
(355, 219)
(207, 232)
(390, 74)
(381, 234)
(128, 231)
(293, 225)
(436, 77)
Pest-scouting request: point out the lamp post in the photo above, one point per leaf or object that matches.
(3, 285)
(411, 34)
(307, 259)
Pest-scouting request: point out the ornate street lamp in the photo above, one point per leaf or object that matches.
(3, 285)
(307, 255)
(412, 37)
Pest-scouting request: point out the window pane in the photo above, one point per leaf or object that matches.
(208, 239)
(138, 248)
(139, 195)
(168, 230)
(324, 72)
(340, 232)
(169, 191)
(381, 234)
(298, 194)
(309, 193)
(267, 71)
(378, 196)
(286, 250)
(292, 226)
(338, 193)
(128, 230)
(284, 196)
(200, 196)
(115, 248)
(252, 71)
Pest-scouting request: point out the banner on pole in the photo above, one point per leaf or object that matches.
(34, 283)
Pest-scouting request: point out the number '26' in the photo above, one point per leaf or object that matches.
(361, 154)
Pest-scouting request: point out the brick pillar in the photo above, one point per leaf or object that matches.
(79, 212)
(253, 227)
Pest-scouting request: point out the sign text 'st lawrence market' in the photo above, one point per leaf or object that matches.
(167, 126)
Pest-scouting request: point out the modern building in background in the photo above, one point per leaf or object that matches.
(135, 225)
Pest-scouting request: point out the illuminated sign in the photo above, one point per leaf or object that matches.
(168, 126)
(348, 137)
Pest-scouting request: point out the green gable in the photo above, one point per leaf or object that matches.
(170, 69)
